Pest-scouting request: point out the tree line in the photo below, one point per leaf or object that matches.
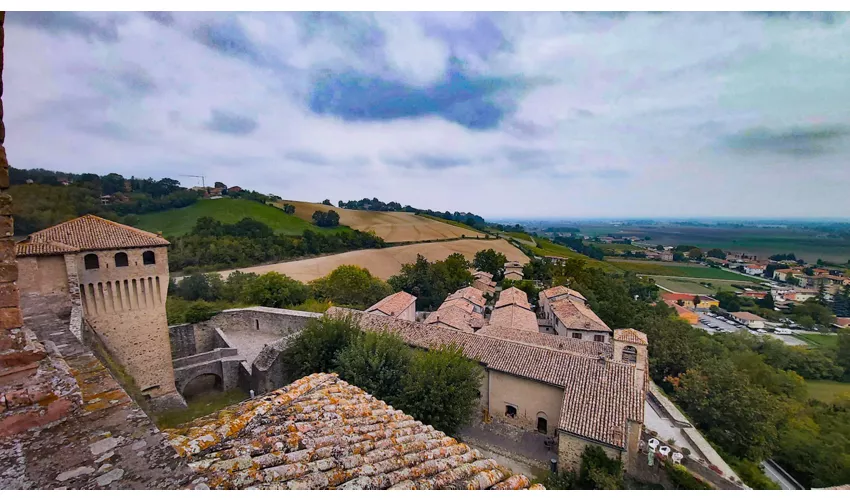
(377, 205)
(212, 245)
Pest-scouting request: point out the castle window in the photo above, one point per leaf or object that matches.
(629, 354)
(510, 411)
(257, 324)
(599, 338)
(91, 261)
(121, 260)
(577, 335)
(148, 258)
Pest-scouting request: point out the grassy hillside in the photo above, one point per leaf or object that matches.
(826, 390)
(180, 221)
(684, 270)
(695, 285)
(393, 227)
(549, 249)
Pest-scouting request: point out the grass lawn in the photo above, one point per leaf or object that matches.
(681, 270)
(826, 390)
(200, 406)
(818, 340)
(180, 221)
(618, 247)
(694, 285)
(549, 249)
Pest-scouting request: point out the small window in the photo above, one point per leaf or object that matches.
(510, 411)
(629, 354)
(599, 338)
(577, 335)
(542, 425)
(257, 324)
(91, 261)
(148, 258)
(121, 260)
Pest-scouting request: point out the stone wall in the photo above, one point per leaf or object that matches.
(571, 447)
(531, 399)
(43, 276)
(182, 339)
(263, 319)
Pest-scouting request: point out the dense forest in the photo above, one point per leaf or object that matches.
(377, 205)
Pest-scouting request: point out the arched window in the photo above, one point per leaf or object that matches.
(148, 258)
(91, 261)
(542, 423)
(510, 411)
(629, 354)
(121, 260)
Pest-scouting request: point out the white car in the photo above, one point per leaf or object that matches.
(761, 330)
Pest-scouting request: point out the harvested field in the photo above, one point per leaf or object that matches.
(393, 227)
(384, 262)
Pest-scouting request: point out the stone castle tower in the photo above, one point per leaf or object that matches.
(118, 276)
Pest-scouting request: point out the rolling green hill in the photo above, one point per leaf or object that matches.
(181, 220)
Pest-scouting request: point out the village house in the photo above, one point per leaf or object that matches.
(749, 319)
(684, 313)
(783, 274)
(841, 322)
(567, 314)
(667, 256)
(462, 310)
(514, 311)
(484, 281)
(548, 384)
(688, 300)
(119, 276)
(513, 270)
(234, 189)
(398, 305)
(754, 269)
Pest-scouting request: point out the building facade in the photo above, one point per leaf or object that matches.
(119, 275)
(565, 313)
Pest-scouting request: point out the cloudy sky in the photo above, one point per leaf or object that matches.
(504, 115)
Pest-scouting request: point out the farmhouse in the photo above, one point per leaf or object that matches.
(566, 313)
(705, 302)
(754, 269)
(119, 276)
(684, 313)
(399, 305)
(749, 319)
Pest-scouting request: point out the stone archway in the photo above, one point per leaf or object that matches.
(203, 383)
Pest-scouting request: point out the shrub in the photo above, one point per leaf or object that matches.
(315, 350)
(684, 480)
(441, 387)
(377, 364)
(276, 290)
(351, 286)
(200, 311)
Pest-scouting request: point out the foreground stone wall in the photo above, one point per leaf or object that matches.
(571, 447)
(182, 339)
(263, 319)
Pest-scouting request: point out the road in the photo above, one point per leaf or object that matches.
(780, 477)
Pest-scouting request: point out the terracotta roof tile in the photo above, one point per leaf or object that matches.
(685, 296)
(470, 294)
(599, 395)
(322, 433)
(34, 248)
(747, 316)
(513, 296)
(514, 316)
(630, 335)
(586, 348)
(394, 304)
(561, 291)
(577, 316)
(90, 232)
(453, 317)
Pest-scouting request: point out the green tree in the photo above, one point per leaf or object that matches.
(327, 202)
(660, 248)
(716, 253)
(431, 283)
(599, 472)
(288, 208)
(489, 261)
(350, 286)
(276, 290)
(377, 363)
(318, 346)
(441, 388)
(767, 302)
(842, 356)
(695, 254)
(679, 257)
(199, 311)
(696, 301)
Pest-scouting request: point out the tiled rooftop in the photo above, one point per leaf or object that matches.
(586, 348)
(33, 248)
(453, 317)
(90, 232)
(514, 316)
(322, 433)
(394, 304)
(577, 316)
(559, 291)
(470, 294)
(630, 335)
(513, 296)
(600, 394)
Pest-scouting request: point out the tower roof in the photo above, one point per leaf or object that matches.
(91, 232)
